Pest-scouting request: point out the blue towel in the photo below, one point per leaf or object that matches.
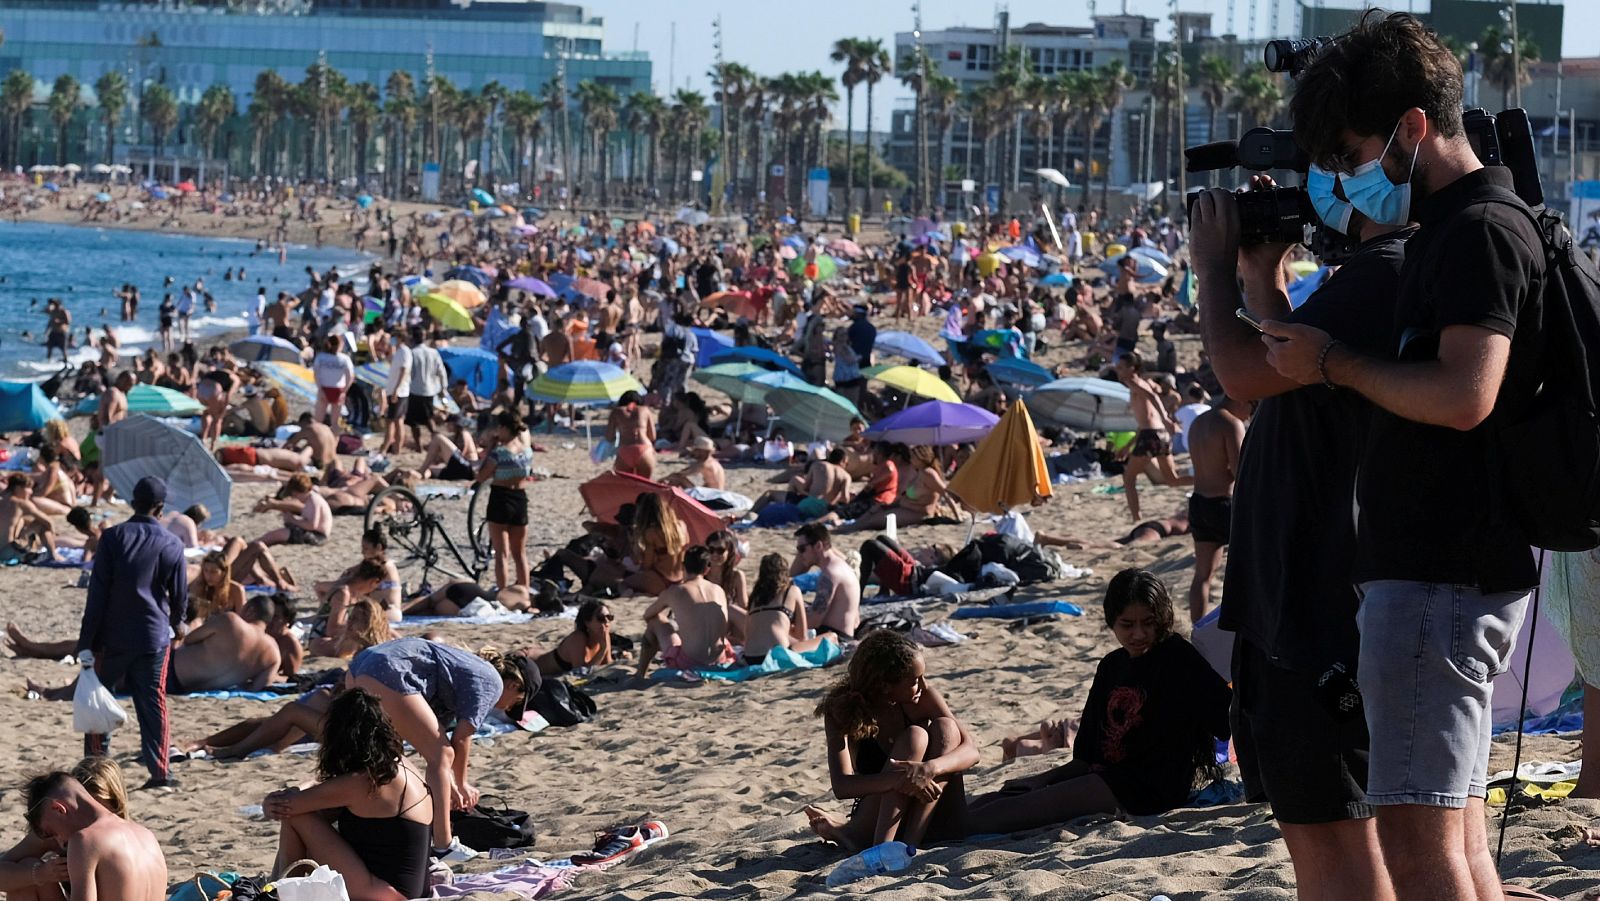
(807, 581)
(1018, 611)
(227, 695)
(778, 660)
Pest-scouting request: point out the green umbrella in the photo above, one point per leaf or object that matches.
(826, 267)
(161, 402)
(815, 414)
(728, 378)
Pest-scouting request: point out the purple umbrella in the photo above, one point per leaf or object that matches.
(934, 423)
(532, 285)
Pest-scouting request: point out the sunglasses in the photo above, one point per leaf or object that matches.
(609, 618)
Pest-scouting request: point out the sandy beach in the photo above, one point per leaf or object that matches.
(728, 767)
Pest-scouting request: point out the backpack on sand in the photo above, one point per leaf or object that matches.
(1550, 452)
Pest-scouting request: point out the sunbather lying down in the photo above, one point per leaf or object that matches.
(292, 723)
(451, 599)
(1143, 533)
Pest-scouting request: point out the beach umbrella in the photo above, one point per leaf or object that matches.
(826, 267)
(764, 382)
(730, 379)
(1014, 371)
(844, 247)
(583, 382)
(1300, 290)
(757, 355)
(472, 274)
(102, 197)
(916, 381)
(1053, 176)
(532, 285)
(905, 344)
(532, 213)
(72, 167)
(936, 422)
(450, 314)
(817, 414)
(375, 375)
(1086, 404)
(363, 200)
(1149, 270)
(1056, 280)
(100, 169)
(722, 298)
(480, 369)
(709, 344)
(462, 292)
(158, 194)
(161, 402)
(788, 253)
(142, 446)
(1022, 256)
(186, 186)
(419, 284)
(291, 377)
(1007, 469)
(590, 287)
(796, 241)
(1159, 257)
(262, 348)
(606, 494)
(24, 408)
(665, 247)
(483, 197)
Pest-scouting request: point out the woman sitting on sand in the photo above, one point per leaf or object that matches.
(1149, 727)
(36, 867)
(724, 570)
(894, 747)
(54, 492)
(922, 489)
(776, 617)
(378, 805)
(374, 549)
(213, 590)
(659, 540)
(342, 634)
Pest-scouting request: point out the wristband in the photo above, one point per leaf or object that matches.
(1322, 362)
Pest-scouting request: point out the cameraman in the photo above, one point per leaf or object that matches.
(1288, 592)
(1443, 571)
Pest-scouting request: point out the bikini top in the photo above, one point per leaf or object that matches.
(510, 464)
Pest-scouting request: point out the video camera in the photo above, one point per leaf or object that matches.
(1285, 215)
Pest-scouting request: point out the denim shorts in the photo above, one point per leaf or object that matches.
(1429, 655)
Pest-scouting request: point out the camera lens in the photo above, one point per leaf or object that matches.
(1276, 55)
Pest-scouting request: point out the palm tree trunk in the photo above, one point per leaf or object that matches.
(849, 146)
(866, 206)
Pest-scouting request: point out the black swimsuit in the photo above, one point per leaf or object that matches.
(394, 849)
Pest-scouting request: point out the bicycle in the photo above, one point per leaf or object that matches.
(417, 535)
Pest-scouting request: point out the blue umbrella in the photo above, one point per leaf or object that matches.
(364, 200)
(1301, 288)
(905, 344)
(1056, 280)
(483, 197)
(1151, 253)
(480, 369)
(24, 408)
(142, 446)
(1012, 371)
(710, 344)
(786, 219)
(1022, 256)
(51, 186)
(757, 355)
(158, 194)
(533, 214)
(472, 274)
(795, 241)
(261, 348)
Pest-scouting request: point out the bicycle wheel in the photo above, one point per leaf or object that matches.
(398, 514)
(477, 525)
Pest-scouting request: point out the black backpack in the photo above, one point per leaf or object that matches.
(1549, 453)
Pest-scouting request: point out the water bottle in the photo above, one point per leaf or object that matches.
(889, 857)
(891, 528)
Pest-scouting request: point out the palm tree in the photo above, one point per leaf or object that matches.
(439, 98)
(554, 95)
(598, 107)
(363, 112)
(161, 112)
(1501, 67)
(940, 98)
(853, 53)
(400, 117)
(1114, 80)
(322, 94)
(525, 118)
(1164, 88)
(16, 98)
(1257, 97)
(1216, 79)
(734, 83)
(216, 107)
(65, 96)
(688, 117)
(877, 67)
(1010, 77)
(267, 106)
(1092, 110)
(648, 114)
(1073, 94)
(111, 93)
(635, 118)
(489, 99)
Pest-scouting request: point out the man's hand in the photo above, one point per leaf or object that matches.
(1294, 350)
(1214, 234)
(50, 872)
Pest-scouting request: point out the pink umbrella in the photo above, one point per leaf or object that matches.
(606, 494)
(589, 286)
(844, 247)
(186, 187)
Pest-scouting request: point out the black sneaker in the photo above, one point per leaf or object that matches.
(169, 784)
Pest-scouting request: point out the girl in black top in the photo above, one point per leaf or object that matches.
(379, 839)
(1151, 722)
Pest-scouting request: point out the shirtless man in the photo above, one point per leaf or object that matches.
(825, 481)
(703, 470)
(838, 605)
(108, 857)
(307, 518)
(1152, 448)
(324, 444)
(556, 347)
(114, 403)
(688, 623)
(633, 426)
(242, 460)
(22, 523)
(1214, 442)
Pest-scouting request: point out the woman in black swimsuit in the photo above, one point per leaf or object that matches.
(379, 840)
(588, 645)
(895, 748)
(777, 614)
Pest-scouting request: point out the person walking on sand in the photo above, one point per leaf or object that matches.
(632, 428)
(1215, 439)
(138, 596)
(1152, 447)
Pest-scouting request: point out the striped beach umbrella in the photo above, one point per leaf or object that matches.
(583, 382)
(142, 446)
(292, 378)
(161, 402)
(818, 414)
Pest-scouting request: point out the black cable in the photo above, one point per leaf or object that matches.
(1522, 710)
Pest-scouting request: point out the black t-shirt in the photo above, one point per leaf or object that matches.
(1150, 723)
(1431, 498)
(1288, 587)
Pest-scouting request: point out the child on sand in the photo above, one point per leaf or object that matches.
(895, 748)
(1154, 712)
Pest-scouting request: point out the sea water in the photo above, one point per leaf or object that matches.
(85, 266)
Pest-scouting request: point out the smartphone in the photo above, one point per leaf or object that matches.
(1250, 319)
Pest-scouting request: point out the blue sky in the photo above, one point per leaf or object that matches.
(773, 37)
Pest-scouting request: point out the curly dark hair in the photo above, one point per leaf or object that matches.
(1140, 586)
(881, 659)
(357, 737)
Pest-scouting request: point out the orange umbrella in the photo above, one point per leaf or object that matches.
(1007, 470)
(646, 227)
(606, 494)
(462, 292)
(725, 298)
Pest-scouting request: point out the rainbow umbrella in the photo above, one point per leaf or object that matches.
(916, 381)
(826, 267)
(450, 314)
(463, 292)
(291, 377)
(583, 382)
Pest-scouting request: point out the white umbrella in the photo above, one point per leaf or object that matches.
(1053, 176)
(142, 445)
(100, 169)
(72, 167)
(1085, 404)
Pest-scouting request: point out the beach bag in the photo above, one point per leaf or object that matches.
(95, 710)
(324, 884)
(485, 826)
(562, 704)
(1549, 453)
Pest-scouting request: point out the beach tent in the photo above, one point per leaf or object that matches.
(142, 446)
(24, 408)
(1007, 469)
(709, 344)
(480, 369)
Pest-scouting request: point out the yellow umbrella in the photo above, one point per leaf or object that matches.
(916, 381)
(449, 313)
(465, 293)
(1007, 469)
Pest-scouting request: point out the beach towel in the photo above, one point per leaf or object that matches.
(488, 619)
(532, 879)
(1026, 610)
(778, 660)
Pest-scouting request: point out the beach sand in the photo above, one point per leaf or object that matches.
(729, 767)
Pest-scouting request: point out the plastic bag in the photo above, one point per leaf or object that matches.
(322, 885)
(603, 451)
(95, 710)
